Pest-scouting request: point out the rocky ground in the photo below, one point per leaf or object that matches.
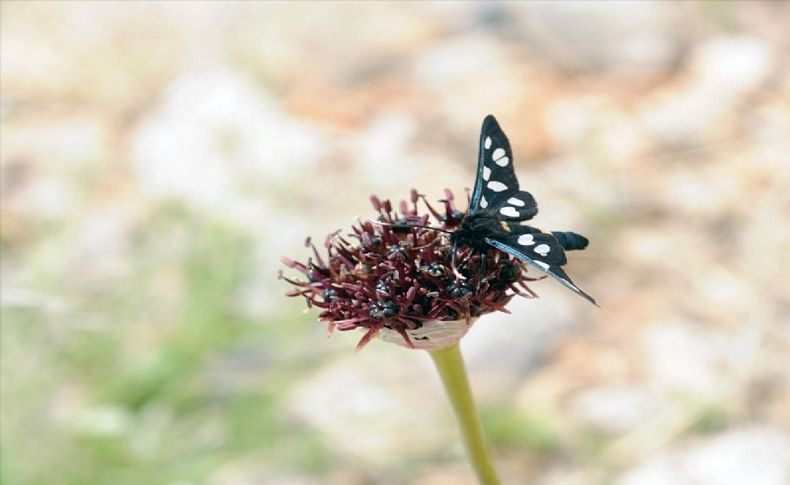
(159, 158)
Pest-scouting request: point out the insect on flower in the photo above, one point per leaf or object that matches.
(425, 284)
(396, 279)
(498, 207)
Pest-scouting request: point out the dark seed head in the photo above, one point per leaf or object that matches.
(459, 290)
(382, 287)
(436, 270)
(383, 310)
(397, 252)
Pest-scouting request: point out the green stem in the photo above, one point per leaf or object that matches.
(450, 364)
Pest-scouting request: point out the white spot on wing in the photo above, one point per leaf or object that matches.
(516, 202)
(526, 240)
(542, 249)
(483, 202)
(502, 161)
(508, 211)
(496, 186)
(498, 153)
(487, 143)
(486, 173)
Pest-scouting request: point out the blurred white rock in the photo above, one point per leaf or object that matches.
(102, 251)
(732, 65)
(469, 76)
(695, 361)
(745, 456)
(458, 60)
(503, 349)
(45, 198)
(212, 134)
(615, 408)
(43, 163)
(377, 405)
(381, 152)
(219, 142)
(723, 71)
(617, 38)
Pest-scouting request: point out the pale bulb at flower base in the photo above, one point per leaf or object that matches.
(432, 335)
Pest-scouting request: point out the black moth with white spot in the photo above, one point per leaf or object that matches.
(498, 207)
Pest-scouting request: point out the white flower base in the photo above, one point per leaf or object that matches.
(433, 335)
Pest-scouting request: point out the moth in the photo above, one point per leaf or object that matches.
(498, 207)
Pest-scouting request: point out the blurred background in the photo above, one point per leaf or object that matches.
(159, 158)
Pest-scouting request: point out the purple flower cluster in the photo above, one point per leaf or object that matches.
(401, 278)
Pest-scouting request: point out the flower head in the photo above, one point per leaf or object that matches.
(392, 279)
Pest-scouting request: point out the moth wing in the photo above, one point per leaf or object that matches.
(496, 180)
(571, 241)
(542, 251)
(514, 206)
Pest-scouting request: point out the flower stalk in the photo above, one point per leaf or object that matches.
(450, 364)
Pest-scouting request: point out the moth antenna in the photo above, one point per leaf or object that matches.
(426, 245)
(408, 226)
